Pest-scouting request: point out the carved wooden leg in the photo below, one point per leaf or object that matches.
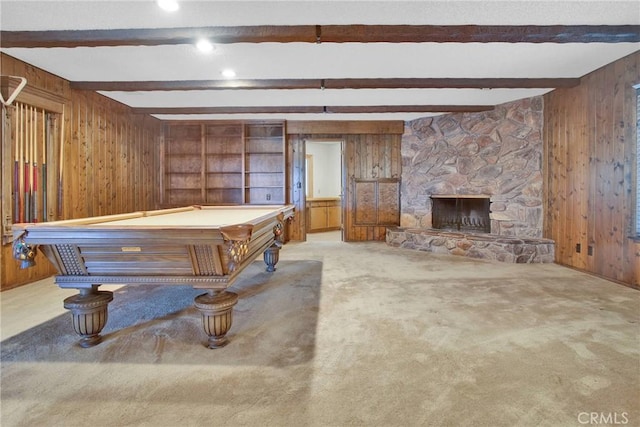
(217, 314)
(89, 309)
(271, 256)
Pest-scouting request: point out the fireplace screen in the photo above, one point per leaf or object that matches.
(461, 213)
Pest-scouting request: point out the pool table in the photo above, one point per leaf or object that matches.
(203, 246)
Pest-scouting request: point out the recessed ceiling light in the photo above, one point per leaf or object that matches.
(229, 73)
(204, 45)
(168, 5)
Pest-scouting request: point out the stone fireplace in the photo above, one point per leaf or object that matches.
(468, 213)
(497, 153)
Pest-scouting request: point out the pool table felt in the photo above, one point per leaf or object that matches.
(206, 217)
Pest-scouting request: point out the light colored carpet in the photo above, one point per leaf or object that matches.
(345, 334)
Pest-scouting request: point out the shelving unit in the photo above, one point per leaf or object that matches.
(224, 163)
(183, 165)
(264, 163)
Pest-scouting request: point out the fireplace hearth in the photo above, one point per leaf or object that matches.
(468, 213)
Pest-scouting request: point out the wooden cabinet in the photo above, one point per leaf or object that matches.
(223, 163)
(377, 201)
(324, 214)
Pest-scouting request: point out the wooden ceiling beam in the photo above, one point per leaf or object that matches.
(231, 110)
(134, 86)
(480, 33)
(409, 109)
(317, 109)
(326, 34)
(157, 36)
(451, 83)
(381, 83)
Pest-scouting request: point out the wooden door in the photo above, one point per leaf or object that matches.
(372, 196)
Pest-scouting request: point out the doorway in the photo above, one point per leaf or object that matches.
(324, 188)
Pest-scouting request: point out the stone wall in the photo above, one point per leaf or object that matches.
(497, 153)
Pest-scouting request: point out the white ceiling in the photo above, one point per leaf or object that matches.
(319, 61)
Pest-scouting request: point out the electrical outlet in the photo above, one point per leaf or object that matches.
(268, 196)
(590, 250)
(578, 248)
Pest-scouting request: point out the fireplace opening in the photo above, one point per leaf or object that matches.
(461, 213)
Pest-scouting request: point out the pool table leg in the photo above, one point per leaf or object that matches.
(272, 253)
(89, 310)
(271, 256)
(216, 307)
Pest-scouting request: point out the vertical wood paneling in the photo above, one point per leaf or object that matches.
(631, 107)
(296, 185)
(620, 163)
(76, 173)
(606, 206)
(353, 166)
(120, 160)
(110, 163)
(579, 199)
(101, 160)
(576, 175)
(590, 155)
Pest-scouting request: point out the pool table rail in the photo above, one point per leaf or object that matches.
(110, 254)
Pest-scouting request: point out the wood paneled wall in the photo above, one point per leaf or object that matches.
(590, 151)
(110, 161)
(368, 156)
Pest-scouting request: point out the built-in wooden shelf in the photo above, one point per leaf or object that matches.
(224, 163)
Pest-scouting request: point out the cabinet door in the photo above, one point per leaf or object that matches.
(318, 216)
(377, 201)
(334, 215)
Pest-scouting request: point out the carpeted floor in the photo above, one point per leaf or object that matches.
(345, 334)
